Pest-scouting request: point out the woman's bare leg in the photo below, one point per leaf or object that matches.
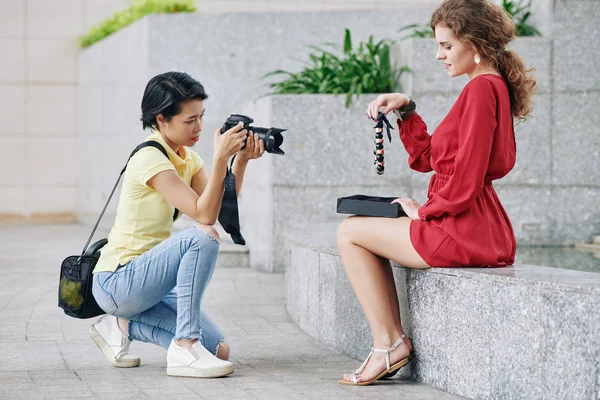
(366, 244)
(392, 292)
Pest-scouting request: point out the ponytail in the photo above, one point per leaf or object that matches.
(521, 85)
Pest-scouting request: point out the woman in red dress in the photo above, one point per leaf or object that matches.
(463, 222)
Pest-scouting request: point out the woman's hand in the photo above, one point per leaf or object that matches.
(255, 148)
(410, 207)
(390, 101)
(230, 142)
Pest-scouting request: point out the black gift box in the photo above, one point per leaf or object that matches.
(371, 206)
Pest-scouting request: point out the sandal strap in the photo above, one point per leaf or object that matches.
(398, 343)
(387, 351)
(364, 364)
(374, 350)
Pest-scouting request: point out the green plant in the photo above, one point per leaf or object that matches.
(135, 11)
(364, 69)
(520, 12)
(418, 31)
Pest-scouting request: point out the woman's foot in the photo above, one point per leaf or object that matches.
(376, 364)
(113, 343)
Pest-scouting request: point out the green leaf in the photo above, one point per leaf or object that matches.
(520, 12)
(347, 41)
(137, 10)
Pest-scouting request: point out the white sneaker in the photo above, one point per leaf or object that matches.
(195, 362)
(113, 343)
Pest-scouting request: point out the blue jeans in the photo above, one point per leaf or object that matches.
(160, 291)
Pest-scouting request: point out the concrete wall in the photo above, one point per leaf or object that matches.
(229, 63)
(259, 6)
(550, 195)
(38, 82)
(329, 154)
(39, 107)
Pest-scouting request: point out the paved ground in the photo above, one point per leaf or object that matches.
(45, 354)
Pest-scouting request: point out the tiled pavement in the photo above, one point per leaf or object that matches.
(45, 354)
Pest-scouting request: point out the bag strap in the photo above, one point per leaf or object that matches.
(149, 143)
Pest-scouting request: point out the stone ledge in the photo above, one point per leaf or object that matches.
(480, 333)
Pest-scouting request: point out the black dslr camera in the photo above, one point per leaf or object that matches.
(271, 136)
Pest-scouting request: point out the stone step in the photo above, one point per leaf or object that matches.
(476, 332)
(232, 255)
(593, 247)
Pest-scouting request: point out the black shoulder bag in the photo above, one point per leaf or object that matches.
(75, 285)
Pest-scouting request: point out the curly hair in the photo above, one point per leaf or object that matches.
(487, 29)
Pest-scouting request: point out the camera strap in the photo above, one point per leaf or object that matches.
(228, 215)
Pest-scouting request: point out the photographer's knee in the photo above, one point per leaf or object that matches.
(210, 231)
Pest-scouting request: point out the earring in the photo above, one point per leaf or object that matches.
(477, 59)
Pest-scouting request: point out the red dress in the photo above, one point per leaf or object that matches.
(463, 223)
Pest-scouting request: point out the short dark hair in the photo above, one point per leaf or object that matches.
(165, 93)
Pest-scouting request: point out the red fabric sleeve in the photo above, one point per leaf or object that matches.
(475, 136)
(413, 133)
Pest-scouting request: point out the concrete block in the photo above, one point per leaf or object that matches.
(534, 147)
(469, 311)
(575, 49)
(575, 215)
(469, 338)
(13, 21)
(569, 337)
(427, 75)
(536, 53)
(51, 60)
(49, 200)
(11, 156)
(42, 114)
(13, 68)
(328, 144)
(55, 156)
(430, 341)
(329, 275)
(90, 64)
(231, 63)
(12, 109)
(517, 344)
(302, 186)
(576, 139)
(12, 200)
(542, 15)
(529, 210)
(59, 19)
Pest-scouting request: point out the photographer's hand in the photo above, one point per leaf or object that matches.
(410, 207)
(255, 148)
(390, 101)
(230, 142)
